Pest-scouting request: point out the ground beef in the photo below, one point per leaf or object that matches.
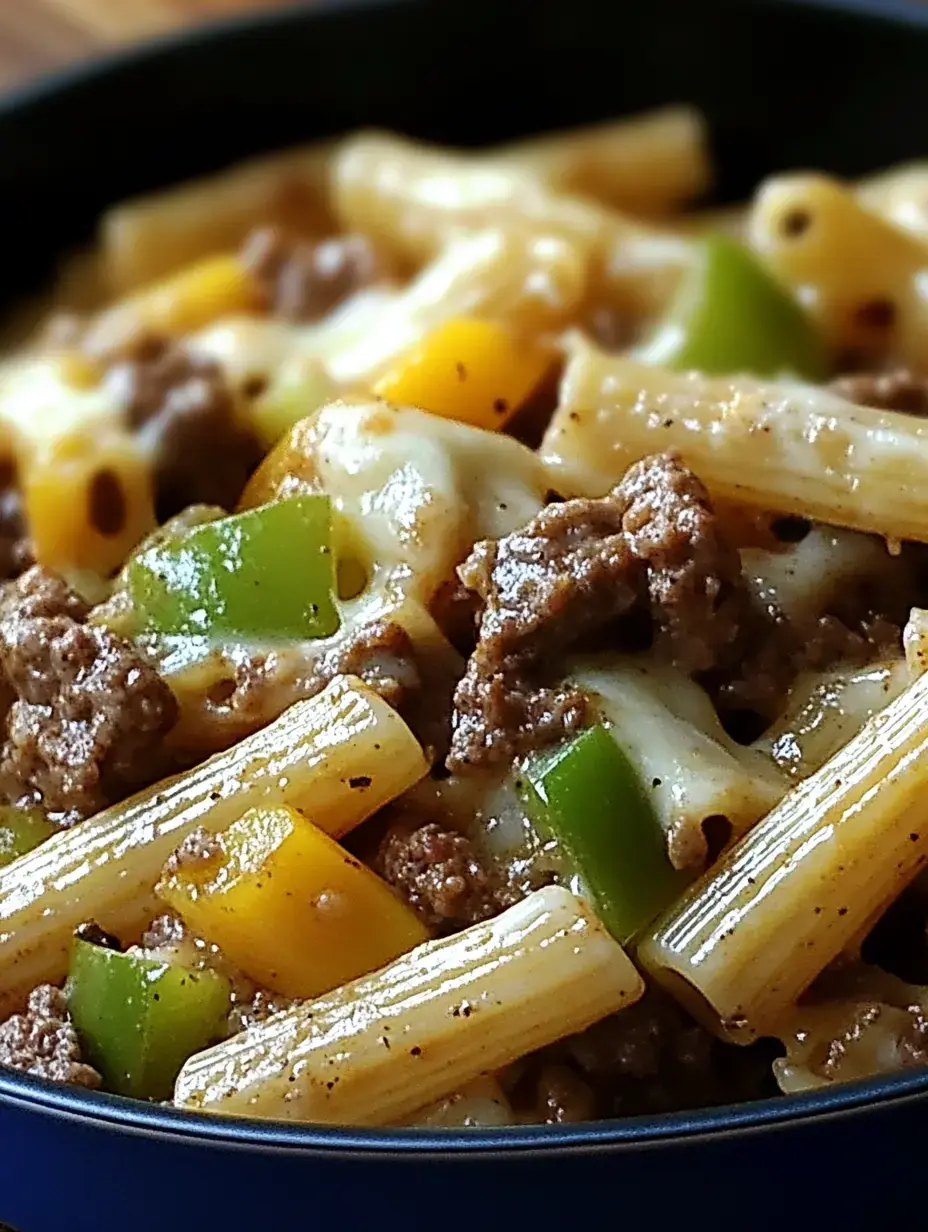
(261, 1006)
(88, 710)
(652, 544)
(382, 654)
(899, 390)
(42, 1042)
(650, 1058)
(775, 650)
(440, 875)
(181, 404)
(303, 280)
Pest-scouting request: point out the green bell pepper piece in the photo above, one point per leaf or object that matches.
(21, 830)
(731, 316)
(139, 1020)
(588, 795)
(267, 573)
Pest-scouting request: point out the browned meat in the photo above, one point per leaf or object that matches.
(41, 595)
(650, 1058)
(181, 403)
(439, 874)
(303, 280)
(42, 1042)
(88, 710)
(775, 650)
(651, 544)
(259, 1007)
(383, 655)
(899, 390)
(563, 1096)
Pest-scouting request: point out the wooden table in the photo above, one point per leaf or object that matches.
(39, 35)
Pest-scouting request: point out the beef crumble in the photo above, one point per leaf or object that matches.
(42, 1041)
(650, 1058)
(181, 403)
(303, 280)
(898, 390)
(651, 544)
(440, 875)
(775, 650)
(87, 711)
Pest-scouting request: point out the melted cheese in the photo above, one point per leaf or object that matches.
(419, 490)
(689, 767)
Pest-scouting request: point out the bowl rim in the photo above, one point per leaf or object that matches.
(138, 1119)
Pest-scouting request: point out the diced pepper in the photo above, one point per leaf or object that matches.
(588, 795)
(265, 573)
(21, 830)
(138, 1020)
(478, 372)
(731, 316)
(290, 906)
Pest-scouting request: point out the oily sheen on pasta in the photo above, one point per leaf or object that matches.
(462, 636)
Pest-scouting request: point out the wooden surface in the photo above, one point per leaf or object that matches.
(39, 35)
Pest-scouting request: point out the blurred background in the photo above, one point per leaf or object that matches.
(39, 35)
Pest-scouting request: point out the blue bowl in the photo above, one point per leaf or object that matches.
(785, 84)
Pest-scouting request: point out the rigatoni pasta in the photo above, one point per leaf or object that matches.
(785, 447)
(461, 632)
(384, 1046)
(341, 755)
(748, 940)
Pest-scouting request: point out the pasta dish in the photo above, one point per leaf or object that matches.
(463, 637)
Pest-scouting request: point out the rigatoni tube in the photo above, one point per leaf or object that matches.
(339, 756)
(379, 1049)
(748, 938)
(785, 446)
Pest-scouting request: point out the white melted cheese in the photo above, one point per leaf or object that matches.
(810, 576)
(419, 490)
(690, 769)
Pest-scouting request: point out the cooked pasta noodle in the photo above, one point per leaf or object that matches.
(147, 238)
(874, 304)
(649, 165)
(378, 1049)
(778, 446)
(747, 940)
(341, 755)
(480, 547)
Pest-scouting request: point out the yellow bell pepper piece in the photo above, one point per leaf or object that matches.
(87, 503)
(289, 906)
(194, 297)
(478, 372)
